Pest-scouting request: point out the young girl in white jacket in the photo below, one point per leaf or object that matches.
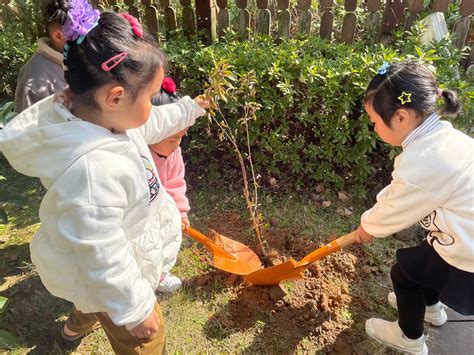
(100, 244)
(433, 184)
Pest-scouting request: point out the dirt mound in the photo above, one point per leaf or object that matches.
(315, 307)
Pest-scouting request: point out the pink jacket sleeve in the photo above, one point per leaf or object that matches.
(171, 172)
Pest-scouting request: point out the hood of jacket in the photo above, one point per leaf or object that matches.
(46, 138)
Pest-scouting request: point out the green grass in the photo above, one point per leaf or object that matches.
(195, 316)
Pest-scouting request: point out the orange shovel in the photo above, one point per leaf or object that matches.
(294, 270)
(229, 255)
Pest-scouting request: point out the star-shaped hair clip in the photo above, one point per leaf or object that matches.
(383, 69)
(405, 97)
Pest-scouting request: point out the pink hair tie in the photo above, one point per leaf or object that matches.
(111, 63)
(136, 27)
(439, 93)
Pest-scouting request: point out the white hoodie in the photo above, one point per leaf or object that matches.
(100, 244)
(433, 184)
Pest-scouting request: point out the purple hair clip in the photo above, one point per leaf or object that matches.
(81, 18)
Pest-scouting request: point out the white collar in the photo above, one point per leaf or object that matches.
(427, 126)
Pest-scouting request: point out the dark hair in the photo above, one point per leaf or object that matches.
(55, 11)
(412, 78)
(113, 35)
(164, 98)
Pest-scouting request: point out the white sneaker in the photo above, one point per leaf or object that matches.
(434, 315)
(169, 284)
(390, 334)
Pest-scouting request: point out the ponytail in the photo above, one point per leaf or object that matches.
(452, 105)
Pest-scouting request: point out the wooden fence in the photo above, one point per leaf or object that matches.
(278, 19)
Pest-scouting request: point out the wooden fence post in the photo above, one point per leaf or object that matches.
(264, 18)
(327, 19)
(170, 16)
(113, 5)
(132, 9)
(415, 7)
(284, 18)
(244, 19)
(151, 18)
(392, 16)
(189, 20)
(206, 17)
(223, 19)
(306, 17)
(373, 20)
(440, 5)
(350, 21)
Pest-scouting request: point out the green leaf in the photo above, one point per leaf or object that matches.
(3, 304)
(3, 220)
(7, 340)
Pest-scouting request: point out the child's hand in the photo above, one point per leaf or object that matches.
(185, 222)
(150, 326)
(362, 236)
(202, 101)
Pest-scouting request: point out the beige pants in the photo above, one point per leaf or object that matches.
(120, 338)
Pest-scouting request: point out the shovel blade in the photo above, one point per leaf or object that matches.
(288, 270)
(245, 261)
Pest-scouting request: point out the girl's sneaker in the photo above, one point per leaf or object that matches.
(169, 283)
(390, 334)
(434, 315)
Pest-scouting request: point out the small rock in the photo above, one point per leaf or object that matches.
(274, 222)
(273, 181)
(273, 311)
(343, 196)
(316, 197)
(347, 212)
(276, 293)
(320, 188)
(231, 280)
(13, 257)
(326, 204)
(308, 295)
(366, 269)
(340, 211)
(269, 199)
(326, 325)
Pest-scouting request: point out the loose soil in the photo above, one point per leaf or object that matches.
(317, 307)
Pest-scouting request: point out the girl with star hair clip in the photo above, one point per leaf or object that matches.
(433, 184)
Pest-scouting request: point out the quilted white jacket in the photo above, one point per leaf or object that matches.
(100, 241)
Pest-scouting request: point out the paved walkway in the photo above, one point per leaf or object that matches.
(456, 337)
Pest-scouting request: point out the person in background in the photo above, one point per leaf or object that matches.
(170, 166)
(43, 74)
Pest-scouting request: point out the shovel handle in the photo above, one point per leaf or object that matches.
(213, 248)
(329, 248)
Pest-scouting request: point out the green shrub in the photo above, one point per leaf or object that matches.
(16, 46)
(312, 127)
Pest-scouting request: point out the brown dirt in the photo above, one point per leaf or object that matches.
(315, 307)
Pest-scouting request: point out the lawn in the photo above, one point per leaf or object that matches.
(216, 312)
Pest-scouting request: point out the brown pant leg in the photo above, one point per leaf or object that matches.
(125, 343)
(81, 323)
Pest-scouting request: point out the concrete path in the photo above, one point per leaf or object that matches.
(456, 337)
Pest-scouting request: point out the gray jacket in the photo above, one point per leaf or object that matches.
(40, 77)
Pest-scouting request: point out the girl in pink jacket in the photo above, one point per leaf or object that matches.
(170, 166)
